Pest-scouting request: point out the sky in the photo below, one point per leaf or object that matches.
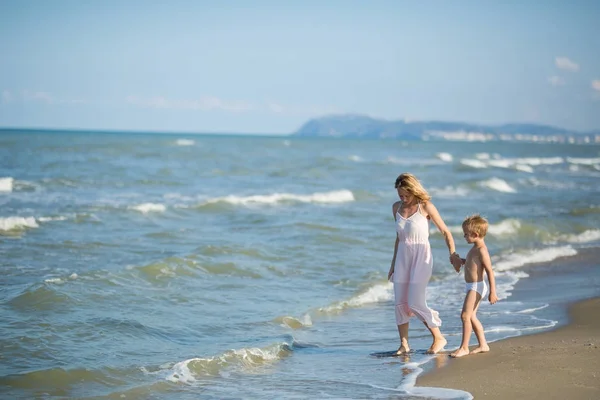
(270, 66)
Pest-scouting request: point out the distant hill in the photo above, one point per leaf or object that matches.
(360, 126)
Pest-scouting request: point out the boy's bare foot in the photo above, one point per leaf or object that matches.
(437, 346)
(460, 353)
(403, 350)
(481, 349)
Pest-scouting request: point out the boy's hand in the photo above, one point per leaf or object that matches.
(455, 260)
(493, 298)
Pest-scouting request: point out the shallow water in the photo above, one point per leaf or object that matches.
(165, 266)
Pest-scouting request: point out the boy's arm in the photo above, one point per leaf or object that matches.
(487, 266)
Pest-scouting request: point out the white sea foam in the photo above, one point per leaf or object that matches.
(188, 371)
(185, 142)
(535, 161)
(533, 256)
(447, 157)
(506, 227)
(149, 207)
(48, 219)
(73, 276)
(531, 310)
(375, 294)
(497, 184)
(500, 163)
(484, 160)
(524, 168)
(450, 191)
(473, 163)
(591, 235)
(338, 196)
(6, 184)
(13, 223)
(355, 158)
(583, 161)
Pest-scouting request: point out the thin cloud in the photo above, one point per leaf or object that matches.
(210, 103)
(205, 103)
(596, 84)
(566, 64)
(40, 97)
(556, 81)
(31, 96)
(7, 97)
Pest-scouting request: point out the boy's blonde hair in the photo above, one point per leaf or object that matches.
(411, 184)
(476, 224)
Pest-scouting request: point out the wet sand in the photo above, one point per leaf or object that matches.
(559, 364)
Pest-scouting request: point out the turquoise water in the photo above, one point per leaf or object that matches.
(184, 267)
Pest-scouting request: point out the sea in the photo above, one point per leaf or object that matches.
(179, 266)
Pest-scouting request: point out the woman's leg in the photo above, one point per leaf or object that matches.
(403, 332)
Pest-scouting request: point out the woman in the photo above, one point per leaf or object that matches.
(412, 262)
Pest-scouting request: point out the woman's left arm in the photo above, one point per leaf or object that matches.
(435, 217)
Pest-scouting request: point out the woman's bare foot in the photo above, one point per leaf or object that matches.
(437, 346)
(481, 349)
(404, 349)
(460, 353)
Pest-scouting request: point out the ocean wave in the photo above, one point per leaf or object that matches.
(423, 162)
(174, 267)
(446, 157)
(498, 185)
(590, 235)
(40, 297)
(146, 208)
(294, 323)
(474, 163)
(73, 276)
(592, 209)
(17, 223)
(485, 160)
(533, 256)
(6, 184)
(337, 196)
(583, 161)
(185, 142)
(241, 360)
(375, 294)
(450, 191)
(509, 226)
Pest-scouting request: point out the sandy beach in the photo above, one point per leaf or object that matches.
(559, 364)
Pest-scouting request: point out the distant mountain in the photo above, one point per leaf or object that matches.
(360, 126)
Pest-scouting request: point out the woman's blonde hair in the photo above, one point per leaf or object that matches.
(476, 224)
(412, 185)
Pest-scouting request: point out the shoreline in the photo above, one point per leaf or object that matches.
(560, 363)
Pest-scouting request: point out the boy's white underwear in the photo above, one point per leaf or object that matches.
(480, 287)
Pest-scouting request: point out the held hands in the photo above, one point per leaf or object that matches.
(456, 261)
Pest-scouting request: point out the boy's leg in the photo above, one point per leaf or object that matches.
(471, 302)
(478, 329)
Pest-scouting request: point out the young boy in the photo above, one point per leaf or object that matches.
(477, 261)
